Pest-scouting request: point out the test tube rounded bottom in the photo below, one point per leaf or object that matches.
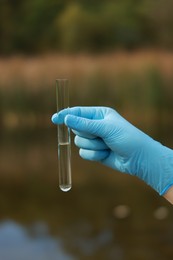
(64, 156)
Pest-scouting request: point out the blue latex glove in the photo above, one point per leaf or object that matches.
(104, 136)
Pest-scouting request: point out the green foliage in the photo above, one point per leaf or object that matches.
(40, 25)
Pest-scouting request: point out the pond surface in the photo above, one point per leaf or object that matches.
(106, 215)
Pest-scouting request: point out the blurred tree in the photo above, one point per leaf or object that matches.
(6, 26)
(35, 31)
(40, 25)
(158, 22)
(28, 25)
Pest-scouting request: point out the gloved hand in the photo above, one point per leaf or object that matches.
(104, 136)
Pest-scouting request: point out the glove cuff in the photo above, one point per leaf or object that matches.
(157, 166)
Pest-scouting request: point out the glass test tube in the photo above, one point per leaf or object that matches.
(64, 145)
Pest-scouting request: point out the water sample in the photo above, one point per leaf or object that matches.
(64, 144)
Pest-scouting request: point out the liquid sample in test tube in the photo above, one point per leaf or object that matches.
(64, 144)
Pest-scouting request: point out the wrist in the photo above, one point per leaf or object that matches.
(169, 194)
(156, 167)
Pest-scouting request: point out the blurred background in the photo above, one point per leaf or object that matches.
(114, 53)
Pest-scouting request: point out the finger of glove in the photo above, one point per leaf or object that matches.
(90, 144)
(84, 135)
(85, 112)
(92, 155)
(54, 118)
(58, 118)
(84, 125)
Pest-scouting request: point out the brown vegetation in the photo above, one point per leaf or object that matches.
(45, 69)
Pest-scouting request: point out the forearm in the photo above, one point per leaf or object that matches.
(169, 195)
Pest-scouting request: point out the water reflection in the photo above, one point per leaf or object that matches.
(16, 243)
(105, 216)
(161, 213)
